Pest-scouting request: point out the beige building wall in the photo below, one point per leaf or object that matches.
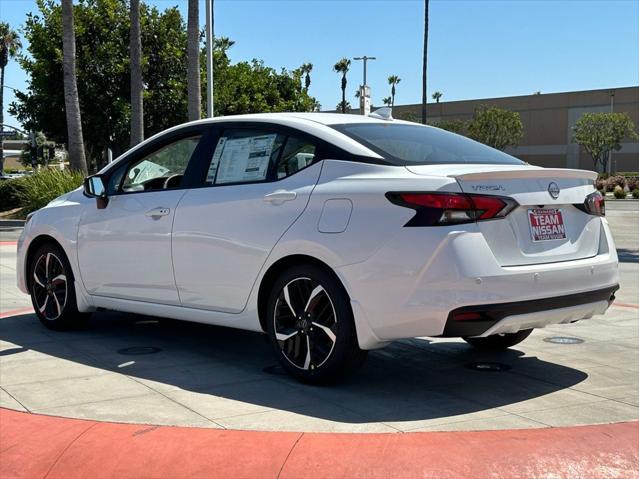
(548, 121)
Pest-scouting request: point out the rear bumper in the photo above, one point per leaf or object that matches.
(409, 286)
(512, 317)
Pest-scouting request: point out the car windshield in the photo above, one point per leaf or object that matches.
(406, 145)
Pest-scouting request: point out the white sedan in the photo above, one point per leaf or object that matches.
(333, 234)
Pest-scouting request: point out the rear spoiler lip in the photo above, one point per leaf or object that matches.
(527, 173)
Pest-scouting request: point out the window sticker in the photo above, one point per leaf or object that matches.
(210, 177)
(243, 159)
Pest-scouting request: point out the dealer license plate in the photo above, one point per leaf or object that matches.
(546, 224)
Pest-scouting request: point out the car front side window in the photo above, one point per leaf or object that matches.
(162, 169)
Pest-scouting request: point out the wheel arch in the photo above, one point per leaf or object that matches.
(276, 269)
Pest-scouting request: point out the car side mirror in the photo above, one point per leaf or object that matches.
(94, 188)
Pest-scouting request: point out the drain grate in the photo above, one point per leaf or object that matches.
(139, 350)
(563, 340)
(488, 367)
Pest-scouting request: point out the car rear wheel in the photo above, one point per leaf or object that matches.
(52, 289)
(310, 325)
(499, 342)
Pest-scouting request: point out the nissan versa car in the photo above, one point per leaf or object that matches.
(333, 234)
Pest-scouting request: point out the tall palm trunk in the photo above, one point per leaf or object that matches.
(2, 111)
(135, 53)
(193, 62)
(77, 159)
(344, 93)
(424, 97)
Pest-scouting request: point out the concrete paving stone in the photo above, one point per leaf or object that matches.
(609, 382)
(148, 409)
(494, 423)
(632, 400)
(18, 372)
(606, 411)
(9, 402)
(242, 398)
(436, 419)
(74, 391)
(195, 377)
(553, 400)
(332, 419)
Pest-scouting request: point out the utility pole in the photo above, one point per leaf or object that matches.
(364, 90)
(209, 57)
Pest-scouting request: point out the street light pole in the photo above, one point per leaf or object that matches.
(612, 108)
(209, 57)
(364, 91)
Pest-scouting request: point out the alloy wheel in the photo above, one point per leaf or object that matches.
(50, 288)
(305, 323)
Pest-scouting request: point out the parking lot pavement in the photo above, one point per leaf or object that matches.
(221, 378)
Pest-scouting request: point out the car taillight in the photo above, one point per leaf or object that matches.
(438, 209)
(595, 204)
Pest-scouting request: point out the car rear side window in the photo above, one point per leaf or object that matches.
(249, 156)
(406, 145)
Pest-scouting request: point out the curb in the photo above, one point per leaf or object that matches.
(11, 223)
(39, 446)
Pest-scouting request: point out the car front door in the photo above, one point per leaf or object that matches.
(258, 182)
(124, 249)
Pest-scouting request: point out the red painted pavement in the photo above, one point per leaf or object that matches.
(16, 312)
(33, 446)
(8, 243)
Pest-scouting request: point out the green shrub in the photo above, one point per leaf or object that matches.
(619, 192)
(601, 185)
(635, 193)
(37, 190)
(10, 194)
(632, 182)
(603, 176)
(614, 181)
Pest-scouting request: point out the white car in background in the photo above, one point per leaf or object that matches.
(334, 234)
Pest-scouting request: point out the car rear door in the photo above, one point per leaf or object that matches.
(258, 182)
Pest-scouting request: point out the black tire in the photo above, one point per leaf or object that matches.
(325, 323)
(51, 284)
(499, 342)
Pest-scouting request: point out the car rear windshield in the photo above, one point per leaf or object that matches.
(406, 145)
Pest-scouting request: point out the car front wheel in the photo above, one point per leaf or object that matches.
(310, 325)
(52, 289)
(499, 342)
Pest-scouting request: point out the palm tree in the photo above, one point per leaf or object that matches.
(223, 44)
(343, 106)
(387, 101)
(77, 159)
(306, 69)
(135, 52)
(424, 62)
(437, 95)
(342, 67)
(194, 93)
(392, 81)
(9, 47)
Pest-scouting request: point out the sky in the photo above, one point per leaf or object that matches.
(476, 49)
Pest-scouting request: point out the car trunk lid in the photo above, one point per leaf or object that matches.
(547, 226)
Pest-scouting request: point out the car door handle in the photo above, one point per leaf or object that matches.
(280, 196)
(157, 212)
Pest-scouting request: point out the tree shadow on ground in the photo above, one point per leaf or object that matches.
(409, 380)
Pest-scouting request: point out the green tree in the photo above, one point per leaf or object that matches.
(342, 67)
(601, 133)
(392, 81)
(455, 126)
(343, 106)
(103, 66)
(437, 95)
(495, 127)
(387, 101)
(10, 46)
(75, 143)
(306, 70)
